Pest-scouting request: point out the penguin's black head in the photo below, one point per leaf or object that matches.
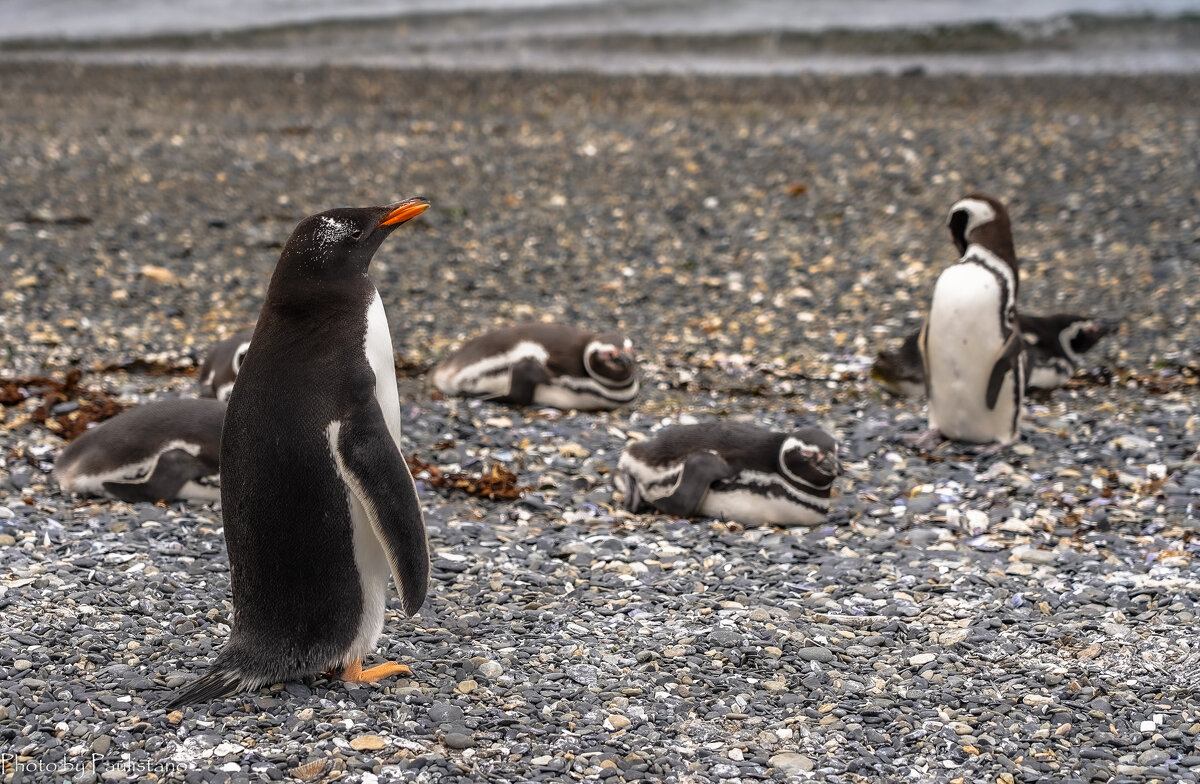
(331, 251)
(809, 456)
(609, 359)
(1081, 334)
(981, 219)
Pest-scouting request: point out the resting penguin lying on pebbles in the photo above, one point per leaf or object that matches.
(318, 503)
(220, 367)
(971, 345)
(543, 364)
(734, 471)
(162, 451)
(1054, 349)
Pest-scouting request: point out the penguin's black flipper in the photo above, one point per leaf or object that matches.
(379, 477)
(523, 381)
(171, 472)
(700, 470)
(1008, 362)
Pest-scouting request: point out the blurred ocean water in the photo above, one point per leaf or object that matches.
(709, 36)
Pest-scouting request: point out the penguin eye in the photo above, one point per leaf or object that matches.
(356, 234)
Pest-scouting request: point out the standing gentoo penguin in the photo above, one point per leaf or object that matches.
(543, 364)
(1054, 349)
(221, 366)
(318, 502)
(162, 451)
(971, 345)
(734, 471)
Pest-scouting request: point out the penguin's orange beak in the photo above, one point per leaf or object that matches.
(405, 211)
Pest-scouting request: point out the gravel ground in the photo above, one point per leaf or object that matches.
(1021, 617)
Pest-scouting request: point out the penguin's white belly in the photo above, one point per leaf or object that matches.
(964, 340)
(753, 508)
(369, 554)
(1050, 375)
(559, 396)
(207, 488)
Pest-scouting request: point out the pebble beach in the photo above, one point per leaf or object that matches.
(1029, 615)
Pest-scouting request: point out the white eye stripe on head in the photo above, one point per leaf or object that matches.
(332, 230)
(978, 212)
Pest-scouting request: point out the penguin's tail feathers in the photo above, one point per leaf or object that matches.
(219, 681)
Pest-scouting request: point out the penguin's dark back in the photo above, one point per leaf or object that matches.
(287, 515)
(563, 342)
(133, 435)
(744, 446)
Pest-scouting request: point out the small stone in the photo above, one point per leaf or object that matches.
(1090, 652)
(6, 514)
(21, 665)
(616, 721)
(368, 743)
(1148, 726)
(158, 274)
(542, 760)
(466, 687)
(7, 540)
(790, 762)
(961, 728)
(1036, 699)
(921, 659)
(491, 670)
(775, 685)
(583, 674)
(815, 653)
(101, 745)
(458, 740)
(572, 449)
(175, 716)
(1153, 757)
(674, 651)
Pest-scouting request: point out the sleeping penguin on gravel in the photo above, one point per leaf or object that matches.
(732, 471)
(539, 364)
(167, 450)
(1054, 349)
(971, 345)
(318, 504)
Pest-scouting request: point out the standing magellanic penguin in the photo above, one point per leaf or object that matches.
(553, 365)
(220, 367)
(733, 471)
(971, 347)
(1054, 349)
(162, 451)
(318, 502)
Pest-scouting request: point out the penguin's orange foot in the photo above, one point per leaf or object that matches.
(354, 673)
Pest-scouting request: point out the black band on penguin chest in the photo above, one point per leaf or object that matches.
(1007, 309)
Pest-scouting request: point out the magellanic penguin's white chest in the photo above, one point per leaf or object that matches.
(964, 339)
(756, 498)
(369, 554)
